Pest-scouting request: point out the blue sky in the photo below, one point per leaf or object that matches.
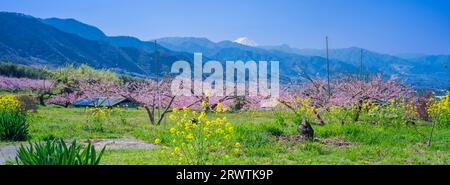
(389, 26)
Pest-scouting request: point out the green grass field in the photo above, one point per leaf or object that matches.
(263, 140)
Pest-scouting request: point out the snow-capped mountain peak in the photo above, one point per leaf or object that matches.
(246, 41)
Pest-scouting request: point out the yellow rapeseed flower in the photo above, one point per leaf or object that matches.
(201, 116)
(204, 103)
(219, 107)
(157, 141)
(172, 130)
(215, 135)
(9, 102)
(185, 109)
(175, 110)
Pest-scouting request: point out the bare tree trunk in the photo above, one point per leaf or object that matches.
(41, 100)
(66, 104)
(428, 143)
(150, 115)
(166, 110)
(358, 112)
(321, 122)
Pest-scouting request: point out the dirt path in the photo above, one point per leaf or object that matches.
(122, 143)
(8, 152)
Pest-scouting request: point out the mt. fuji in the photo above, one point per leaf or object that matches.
(246, 41)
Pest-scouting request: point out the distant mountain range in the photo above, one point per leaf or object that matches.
(35, 42)
(419, 70)
(56, 42)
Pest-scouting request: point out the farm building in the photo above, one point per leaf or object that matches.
(104, 102)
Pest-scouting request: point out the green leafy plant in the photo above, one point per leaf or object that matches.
(13, 126)
(57, 152)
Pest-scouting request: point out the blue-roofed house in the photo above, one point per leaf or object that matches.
(103, 102)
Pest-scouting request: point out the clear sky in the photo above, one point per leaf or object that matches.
(389, 26)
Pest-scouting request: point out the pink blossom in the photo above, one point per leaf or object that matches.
(15, 84)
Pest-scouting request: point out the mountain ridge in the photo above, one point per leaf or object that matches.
(27, 40)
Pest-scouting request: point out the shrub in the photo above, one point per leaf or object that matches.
(199, 140)
(13, 122)
(98, 117)
(118, 111)
(21, 71)
(27, 103)
(9, 103)
(304, 108)
(56, 152)
(395, 113)
(439, 111)
(340, 115)
(239, 103)
(13, 126)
